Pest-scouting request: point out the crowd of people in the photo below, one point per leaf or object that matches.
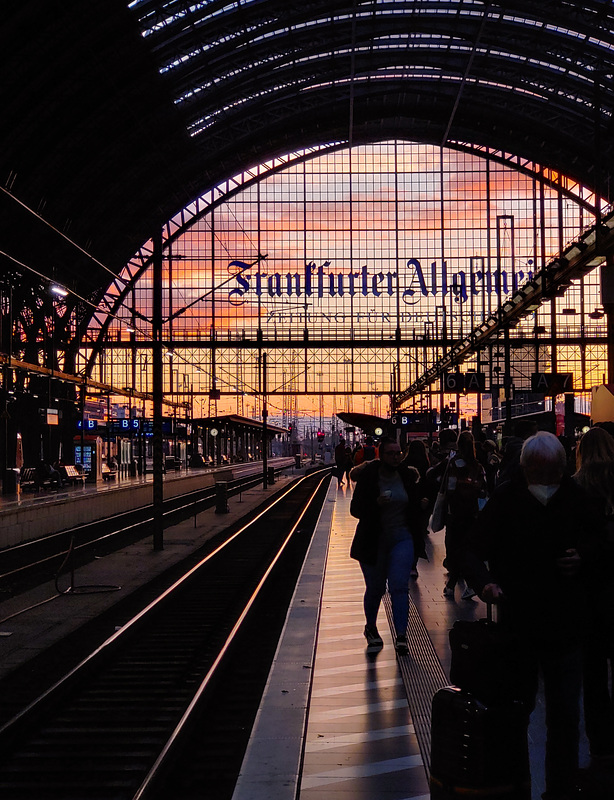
(528, 527)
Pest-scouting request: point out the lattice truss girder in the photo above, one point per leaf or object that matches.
(290, 371)
(554, 279)
(293, 372)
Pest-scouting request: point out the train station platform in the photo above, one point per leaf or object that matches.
(36, 619)
(33, 514)
(338, 724)
(334, 722)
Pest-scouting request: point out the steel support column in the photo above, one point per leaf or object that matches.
(265, 414)
(157, 380)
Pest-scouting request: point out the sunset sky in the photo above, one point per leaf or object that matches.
(397, 234)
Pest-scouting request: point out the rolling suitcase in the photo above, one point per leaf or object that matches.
(489, 662)
(478, 751)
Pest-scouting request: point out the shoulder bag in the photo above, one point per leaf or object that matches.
(437, 520)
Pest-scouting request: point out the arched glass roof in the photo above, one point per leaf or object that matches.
(119, 115)
(520, 72)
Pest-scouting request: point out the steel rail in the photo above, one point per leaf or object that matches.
(180, 505)
(20, 720)
(153, 776)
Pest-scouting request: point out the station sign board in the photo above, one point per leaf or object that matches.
(50, 416)
(88, 425)
(464, 382)
(552, 383)
(419, 421)
(123, 426)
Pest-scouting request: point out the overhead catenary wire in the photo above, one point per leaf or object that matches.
(110, 314)
(62, 235)
(71, 292)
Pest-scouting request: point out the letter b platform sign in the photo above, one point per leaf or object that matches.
(468, 382)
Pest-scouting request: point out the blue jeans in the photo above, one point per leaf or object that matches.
(394, 566)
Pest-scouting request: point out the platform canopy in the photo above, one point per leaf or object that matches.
(238, 422)
(369, 423)
(116, 115)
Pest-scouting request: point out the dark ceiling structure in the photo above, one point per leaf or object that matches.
(116, 115)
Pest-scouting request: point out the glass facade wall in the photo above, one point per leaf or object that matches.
(353, 271)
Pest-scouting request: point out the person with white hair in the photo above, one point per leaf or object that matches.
(539, 536)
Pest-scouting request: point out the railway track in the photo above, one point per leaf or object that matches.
(163, 708)
(27, 564)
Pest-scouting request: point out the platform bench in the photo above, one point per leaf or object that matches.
(72, 474)
(29, 480)
(108, 474)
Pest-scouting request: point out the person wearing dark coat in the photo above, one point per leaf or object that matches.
(510, 460)
(540, 538)
(465, 486)
(386, 501)
(418, 457)
(45, 472)
(435, 474)
(595, 474)
(340, 459)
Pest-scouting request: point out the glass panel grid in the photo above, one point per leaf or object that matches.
(347, 250)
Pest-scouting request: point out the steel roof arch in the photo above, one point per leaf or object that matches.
(95, 140)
